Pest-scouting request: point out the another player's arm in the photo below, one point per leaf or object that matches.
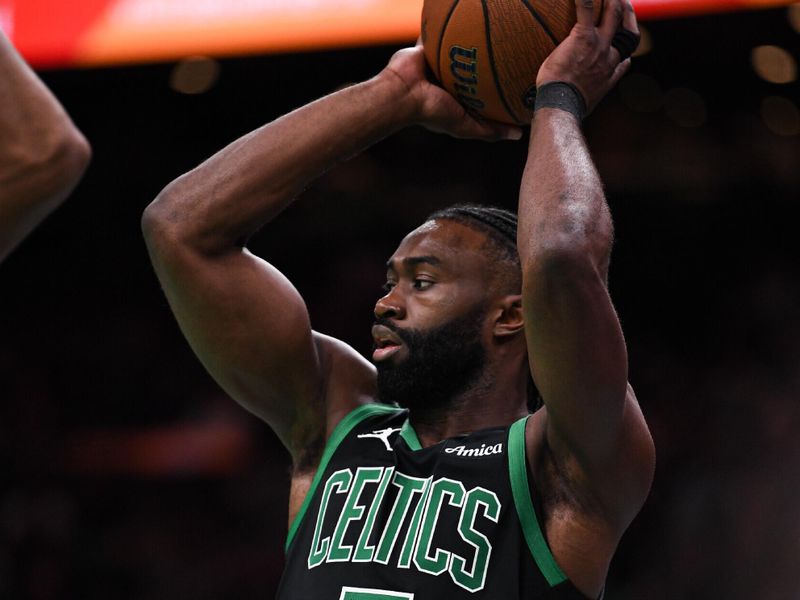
(245, 321)
(594, 427)
(42, 154)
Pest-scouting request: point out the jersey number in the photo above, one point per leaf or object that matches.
(354, 593)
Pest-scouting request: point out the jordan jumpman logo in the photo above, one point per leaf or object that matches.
(381, 434)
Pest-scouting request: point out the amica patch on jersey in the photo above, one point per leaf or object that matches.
(484, 450)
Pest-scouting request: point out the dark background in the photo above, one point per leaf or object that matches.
(127, 473)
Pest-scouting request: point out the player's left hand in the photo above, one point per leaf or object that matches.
(594, 58)
(437, 110)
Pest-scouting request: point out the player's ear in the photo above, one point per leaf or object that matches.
(509, 320)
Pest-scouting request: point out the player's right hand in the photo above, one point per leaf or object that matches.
(434, 108)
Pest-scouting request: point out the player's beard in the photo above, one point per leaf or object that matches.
(441, 364)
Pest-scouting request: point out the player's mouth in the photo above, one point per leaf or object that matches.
(387, 343)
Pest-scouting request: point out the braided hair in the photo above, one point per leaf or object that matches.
(498, 224)
(500, 227)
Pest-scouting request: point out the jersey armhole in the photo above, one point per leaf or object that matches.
(520, 489)
(345, 426)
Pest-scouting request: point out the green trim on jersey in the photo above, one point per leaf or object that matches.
(344, 427)
(518, 473)
(410, 436)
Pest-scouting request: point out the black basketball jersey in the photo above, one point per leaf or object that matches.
(386, 519)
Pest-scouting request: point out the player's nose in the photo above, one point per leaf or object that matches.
(390, 306)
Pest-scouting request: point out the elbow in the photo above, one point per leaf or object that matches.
(58, 163)
(159, 229)
(182, 221)
(72, 156)
(172, 224)
(80, 152)
(570, 260)
(569, 247)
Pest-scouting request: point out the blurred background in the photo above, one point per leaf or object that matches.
(125, 472)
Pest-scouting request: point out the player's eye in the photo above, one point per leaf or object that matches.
(389, 286)
(422, 284)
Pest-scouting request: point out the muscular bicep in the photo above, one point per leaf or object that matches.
(576, 348)
(249, 327)
(579, 362)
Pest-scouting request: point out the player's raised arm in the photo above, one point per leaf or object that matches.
(42, 154)
(245, 321)
(594, 428)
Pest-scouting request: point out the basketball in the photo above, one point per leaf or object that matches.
(487, 53)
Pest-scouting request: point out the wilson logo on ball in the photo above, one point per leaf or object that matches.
(463, 66)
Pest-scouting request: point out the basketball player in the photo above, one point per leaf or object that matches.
(423, 475)
(42, 154)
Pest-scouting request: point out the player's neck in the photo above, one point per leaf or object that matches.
(491, 402)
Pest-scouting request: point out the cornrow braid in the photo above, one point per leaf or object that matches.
(498, 223)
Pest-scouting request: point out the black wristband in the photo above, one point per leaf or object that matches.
(563, 96)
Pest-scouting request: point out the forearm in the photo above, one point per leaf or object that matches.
(42, 154)
(562, 208)
(215, 207)
(578, 355)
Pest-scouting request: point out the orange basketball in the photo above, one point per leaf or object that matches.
(487, 52)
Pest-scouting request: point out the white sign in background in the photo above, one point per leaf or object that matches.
(204, 11)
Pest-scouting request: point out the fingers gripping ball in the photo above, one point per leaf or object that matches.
(486, 53)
